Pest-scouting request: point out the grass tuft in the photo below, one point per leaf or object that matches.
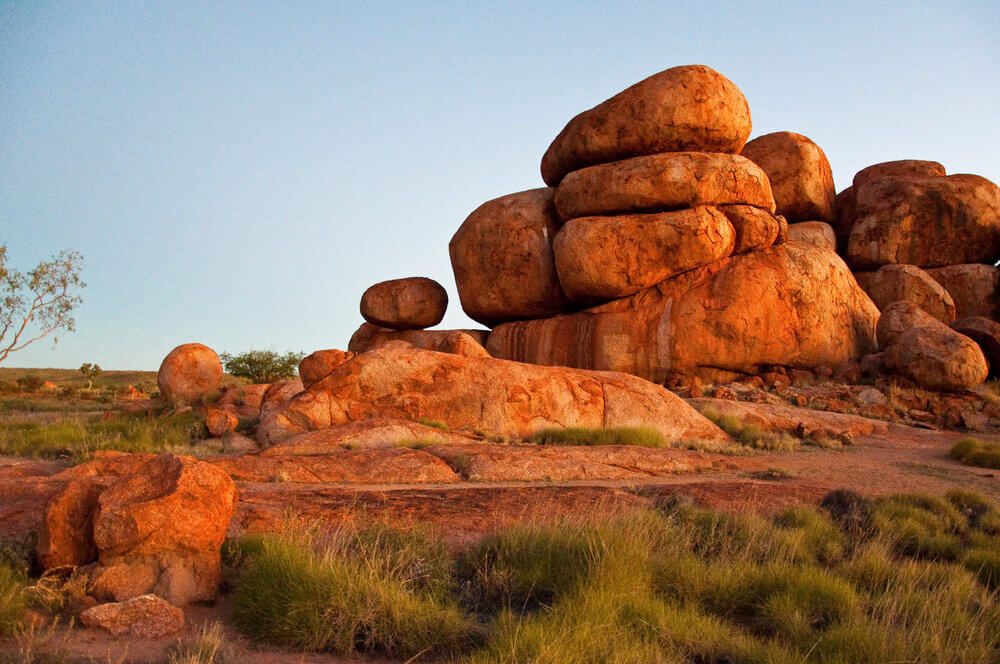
(586, 436)
(975, 452)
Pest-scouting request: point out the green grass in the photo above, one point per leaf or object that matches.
(975, 452)
(436, 424)
(638, 436)
(13, 600)
(751, 435)
(76, 438)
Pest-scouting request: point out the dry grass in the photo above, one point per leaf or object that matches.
(975, 452)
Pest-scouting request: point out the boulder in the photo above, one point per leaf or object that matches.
(929, 352)
(144, 617)
(482, 394)
(66, 536)
(502, 259)
(800, 175)
(189, 373)
(986, 333)
(278, 394)
(461, 342)
(783, 418)
(315, 366)
(788, 305)
(602, 258)
(243, 400)
(755, 228)
(689, 108)
(373, 433)
(160, 530)
(220, 422)
(907, 283)
(816, 233)
(925, 221)
(897, 318)
(974, 287)
(904, 168)
(662, 182)
(844, 217)
(405, 304)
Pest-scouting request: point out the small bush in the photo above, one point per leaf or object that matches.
(638, 436)
(975, 452)
(262, 366)
(436, 424)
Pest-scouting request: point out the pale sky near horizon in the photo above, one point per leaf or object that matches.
(237, 175)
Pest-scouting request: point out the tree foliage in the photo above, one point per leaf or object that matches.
(90, 372)
(40, 302)
(263, 366)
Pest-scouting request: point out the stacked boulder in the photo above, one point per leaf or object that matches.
(656, 249)
(918, 236)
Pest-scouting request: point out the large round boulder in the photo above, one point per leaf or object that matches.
(661, 182)
(503, 262)
(189, 373)
(689, 108)
(603, 258)
(975, 288)
(790, 305)
(907, 283)
(800, 175)
(405, 304)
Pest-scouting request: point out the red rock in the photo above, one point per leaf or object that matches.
(907, 283)
(907, 168)
(145, 617)
(405, 304)
(461, 342)
(799, 172)
(663, 182)
(189, 373)
(603, 258)
(974, 287)
(984, 332)
(66, 536)
(503, 262)
(755, 228)
(169, 516)
(315, 366)
(279, 393)
(372, 466)
(220, 422)
(782, 418)
(816, 233)
(844, 218)
(788, 305)
(690, 108)
(482, 394)
(243, 400)
(370, 433)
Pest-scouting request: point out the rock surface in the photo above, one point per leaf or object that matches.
(818, 234)
(405, 304)
(787, 419)
(755, 228)
(189, 373)
(460, 342)
(663, 182)
(220, 422)
(371, 466)
(278, 394)
(905, 168)
(602, 258)
(800, 175)
(243, 400)
(789, 305)
(144, 617)
(373, 433)
(986, 333)
(907, 283)
(502, 259)
(66, 537)
(484, 394)
(974, 287)
(689, 108)
(315, 366)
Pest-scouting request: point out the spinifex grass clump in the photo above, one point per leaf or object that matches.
(13, 600)
(750, 435)
(639, 436)
(897, 579)
(974, 452)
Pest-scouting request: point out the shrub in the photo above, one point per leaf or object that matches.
(262, 366)
(638, 436)
(975, 452)
(13, 601)
(30, 383)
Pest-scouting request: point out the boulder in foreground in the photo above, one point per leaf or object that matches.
(189, 373)
(800, 175)
(144, 617)
(405, 304)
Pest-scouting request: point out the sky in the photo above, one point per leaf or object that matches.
(238, 174)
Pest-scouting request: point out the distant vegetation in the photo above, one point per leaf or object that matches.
(262, 366)
(975, 452)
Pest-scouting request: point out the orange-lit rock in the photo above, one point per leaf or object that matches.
(315, 366)
(189, 373)
(799, 172)
(405, 304)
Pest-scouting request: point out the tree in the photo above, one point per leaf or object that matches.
(90, 372)
(40, 302)
(263, 366)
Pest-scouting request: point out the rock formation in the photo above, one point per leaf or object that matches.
(799, 172)
(317, 365)
(816, 233)
(463, 342)
(908, 283)
(405, 304)
(189, 373)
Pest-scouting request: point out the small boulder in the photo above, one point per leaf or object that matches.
(405, 304)
(902, 168)
(897, 318)
(243, 400)
(816, 233)
(189, 373)
(975, 288)
(66, 535)
(908, 283)
(143, 617)
(220, 422)
(663, 182)
(984, 332)
(689, 108)
(800, 175)
(755, 228)
(315, 366)
(278, 394)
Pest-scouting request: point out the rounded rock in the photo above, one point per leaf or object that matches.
(893, 283)
(405, 304)
(816, 233)
(317, 365)
(189, 373)
(800, 175)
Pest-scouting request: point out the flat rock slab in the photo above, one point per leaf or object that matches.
(362, 434)
(779, 417)
(146, 617)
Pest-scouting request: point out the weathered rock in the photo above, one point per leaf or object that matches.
(243, 400)
(405, 304)
(755, 228)
(502, 259)
(278, 394)
(189, 373)
(816, 233)
(373, 433)
(892, 283)
(315, 366)
(690, 108)
(789, 305)
(66, 536)
(844, 218)
(986, 333)
(663, 182)
(800, 175)
(788, 419)
(922, 348)
(482, 394)
(905, 168)
(144, 617)
(169, 518)
(460, 342)
(974, 287)
(220, 422)
(925, 221)
(602, 258)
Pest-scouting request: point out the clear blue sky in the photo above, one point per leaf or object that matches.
(237, 175)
